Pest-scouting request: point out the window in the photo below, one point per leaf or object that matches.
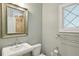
(69, 18)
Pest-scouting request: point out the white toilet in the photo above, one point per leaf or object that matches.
(37, 50)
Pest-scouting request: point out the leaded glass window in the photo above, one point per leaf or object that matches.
(71, 16)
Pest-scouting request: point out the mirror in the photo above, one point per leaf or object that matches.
(14, 20)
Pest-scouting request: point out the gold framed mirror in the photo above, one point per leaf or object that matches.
(14, 20)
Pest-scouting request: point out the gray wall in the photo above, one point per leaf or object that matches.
(49, 27)
(43, 25)
(34, 27)
(68, 43)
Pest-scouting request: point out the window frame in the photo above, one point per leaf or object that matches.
(61, 20)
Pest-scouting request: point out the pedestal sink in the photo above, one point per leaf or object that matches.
(17, 50)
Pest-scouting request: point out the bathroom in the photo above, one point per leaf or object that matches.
(43, 28)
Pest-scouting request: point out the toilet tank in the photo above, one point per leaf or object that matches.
(36, 50)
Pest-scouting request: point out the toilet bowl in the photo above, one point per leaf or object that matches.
(37, 50)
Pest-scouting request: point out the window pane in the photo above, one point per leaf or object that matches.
(69, 8)
(71, 16)
(76, 10)
(76, 22)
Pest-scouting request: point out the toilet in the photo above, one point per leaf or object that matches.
(37, 50)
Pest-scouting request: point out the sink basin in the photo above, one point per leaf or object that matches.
(17, 47)
(17, 50)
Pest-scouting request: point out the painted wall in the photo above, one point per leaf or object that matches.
(34, 27)
(43, 25)
(49, 27)
(68, 43)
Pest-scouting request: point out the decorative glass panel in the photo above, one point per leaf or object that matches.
(71, 16)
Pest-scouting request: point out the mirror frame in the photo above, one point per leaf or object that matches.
(4, 21)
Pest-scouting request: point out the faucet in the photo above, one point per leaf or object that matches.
(16, 41)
